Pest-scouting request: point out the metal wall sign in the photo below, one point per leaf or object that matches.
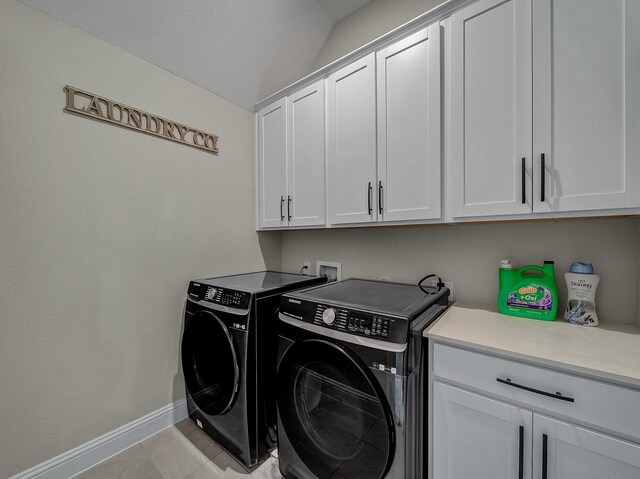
(93, 106)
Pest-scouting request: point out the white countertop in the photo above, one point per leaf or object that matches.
(610, 351)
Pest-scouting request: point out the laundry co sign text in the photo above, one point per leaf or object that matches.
(100, 108)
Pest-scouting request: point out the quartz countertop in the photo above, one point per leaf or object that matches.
(610, 351)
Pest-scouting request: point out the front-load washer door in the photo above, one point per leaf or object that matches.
(333, 413)
(210, 363)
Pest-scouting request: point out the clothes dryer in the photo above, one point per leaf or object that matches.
(350, 379)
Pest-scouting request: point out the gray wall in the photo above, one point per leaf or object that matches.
(101, 229)
(469, 256)
(368, 23)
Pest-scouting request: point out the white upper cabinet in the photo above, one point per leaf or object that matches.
(306, 165)
(351, 143)
(409, 119)
(491, 112)
(291, 160)
(272, 151)
(544, 108)
(586, 104)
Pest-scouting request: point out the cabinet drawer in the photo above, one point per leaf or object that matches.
(603, 405)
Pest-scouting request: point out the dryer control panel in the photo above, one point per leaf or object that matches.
(351, 321)
(222, 296)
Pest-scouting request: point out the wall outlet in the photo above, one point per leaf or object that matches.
(333, 271)
(448, 284)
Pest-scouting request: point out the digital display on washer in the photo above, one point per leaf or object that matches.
(369, 324)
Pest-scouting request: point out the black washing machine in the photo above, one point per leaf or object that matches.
(350, 379)
(229, 351)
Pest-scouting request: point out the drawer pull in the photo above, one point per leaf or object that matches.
(557, 395)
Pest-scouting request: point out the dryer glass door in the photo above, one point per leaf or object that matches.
(334, 412)
(210, 363)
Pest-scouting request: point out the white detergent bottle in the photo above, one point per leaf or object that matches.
(581, 294)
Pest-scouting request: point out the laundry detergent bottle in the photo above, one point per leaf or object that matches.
(529, 291)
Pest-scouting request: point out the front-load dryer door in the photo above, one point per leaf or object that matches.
(210, 363)
(335, 420)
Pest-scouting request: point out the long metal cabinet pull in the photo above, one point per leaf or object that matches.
(521, 453)
(543, 175)
(545, 441)
(557, 395)
(281, 205)
(289, 208)
(380, 196)
(369, 199)
(524, 181)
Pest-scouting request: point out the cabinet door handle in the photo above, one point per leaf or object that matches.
(380, 196)
(521, 453)
(543, 175)
(545, 447)
(524, 181)
(557, 395)
(281, 205)
(369, 189)
(289, 208)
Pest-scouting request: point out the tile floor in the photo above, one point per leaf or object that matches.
(182, 451)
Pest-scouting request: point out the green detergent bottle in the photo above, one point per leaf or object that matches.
(528, 295)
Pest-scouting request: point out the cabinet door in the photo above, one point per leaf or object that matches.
(351, 143)
(491, 111)
(565, 451)
(272, 151)
(409, 154)
(586, 104)
(476, 437)
(306, 166)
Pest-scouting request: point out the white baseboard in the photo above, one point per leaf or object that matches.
(83, 457)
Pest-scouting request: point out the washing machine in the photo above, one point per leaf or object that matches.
(229, 351)
(351, 379)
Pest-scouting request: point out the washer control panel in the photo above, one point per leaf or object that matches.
(224, 297)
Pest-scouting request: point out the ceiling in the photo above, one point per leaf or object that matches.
(242, 50)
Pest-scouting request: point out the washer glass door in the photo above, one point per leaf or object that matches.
(334, 412)
(210, 363)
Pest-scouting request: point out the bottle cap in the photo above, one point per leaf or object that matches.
(584, 268)
(506, 264)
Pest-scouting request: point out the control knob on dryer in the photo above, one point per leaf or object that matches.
(329, 316)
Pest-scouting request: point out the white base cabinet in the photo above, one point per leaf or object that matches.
(476, 435)
(479, 438)
(562, 450)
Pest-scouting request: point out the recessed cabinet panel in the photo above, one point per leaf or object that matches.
(476, 437)
(306, 168)
(566, 451)
(491, 111)
(351, 143)
(409, 117)
(586, 103)
(272, 150)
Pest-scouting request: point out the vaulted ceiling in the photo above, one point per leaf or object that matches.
(242, 50)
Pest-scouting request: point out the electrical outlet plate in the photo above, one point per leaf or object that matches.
(333, 271)
(448, 284)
